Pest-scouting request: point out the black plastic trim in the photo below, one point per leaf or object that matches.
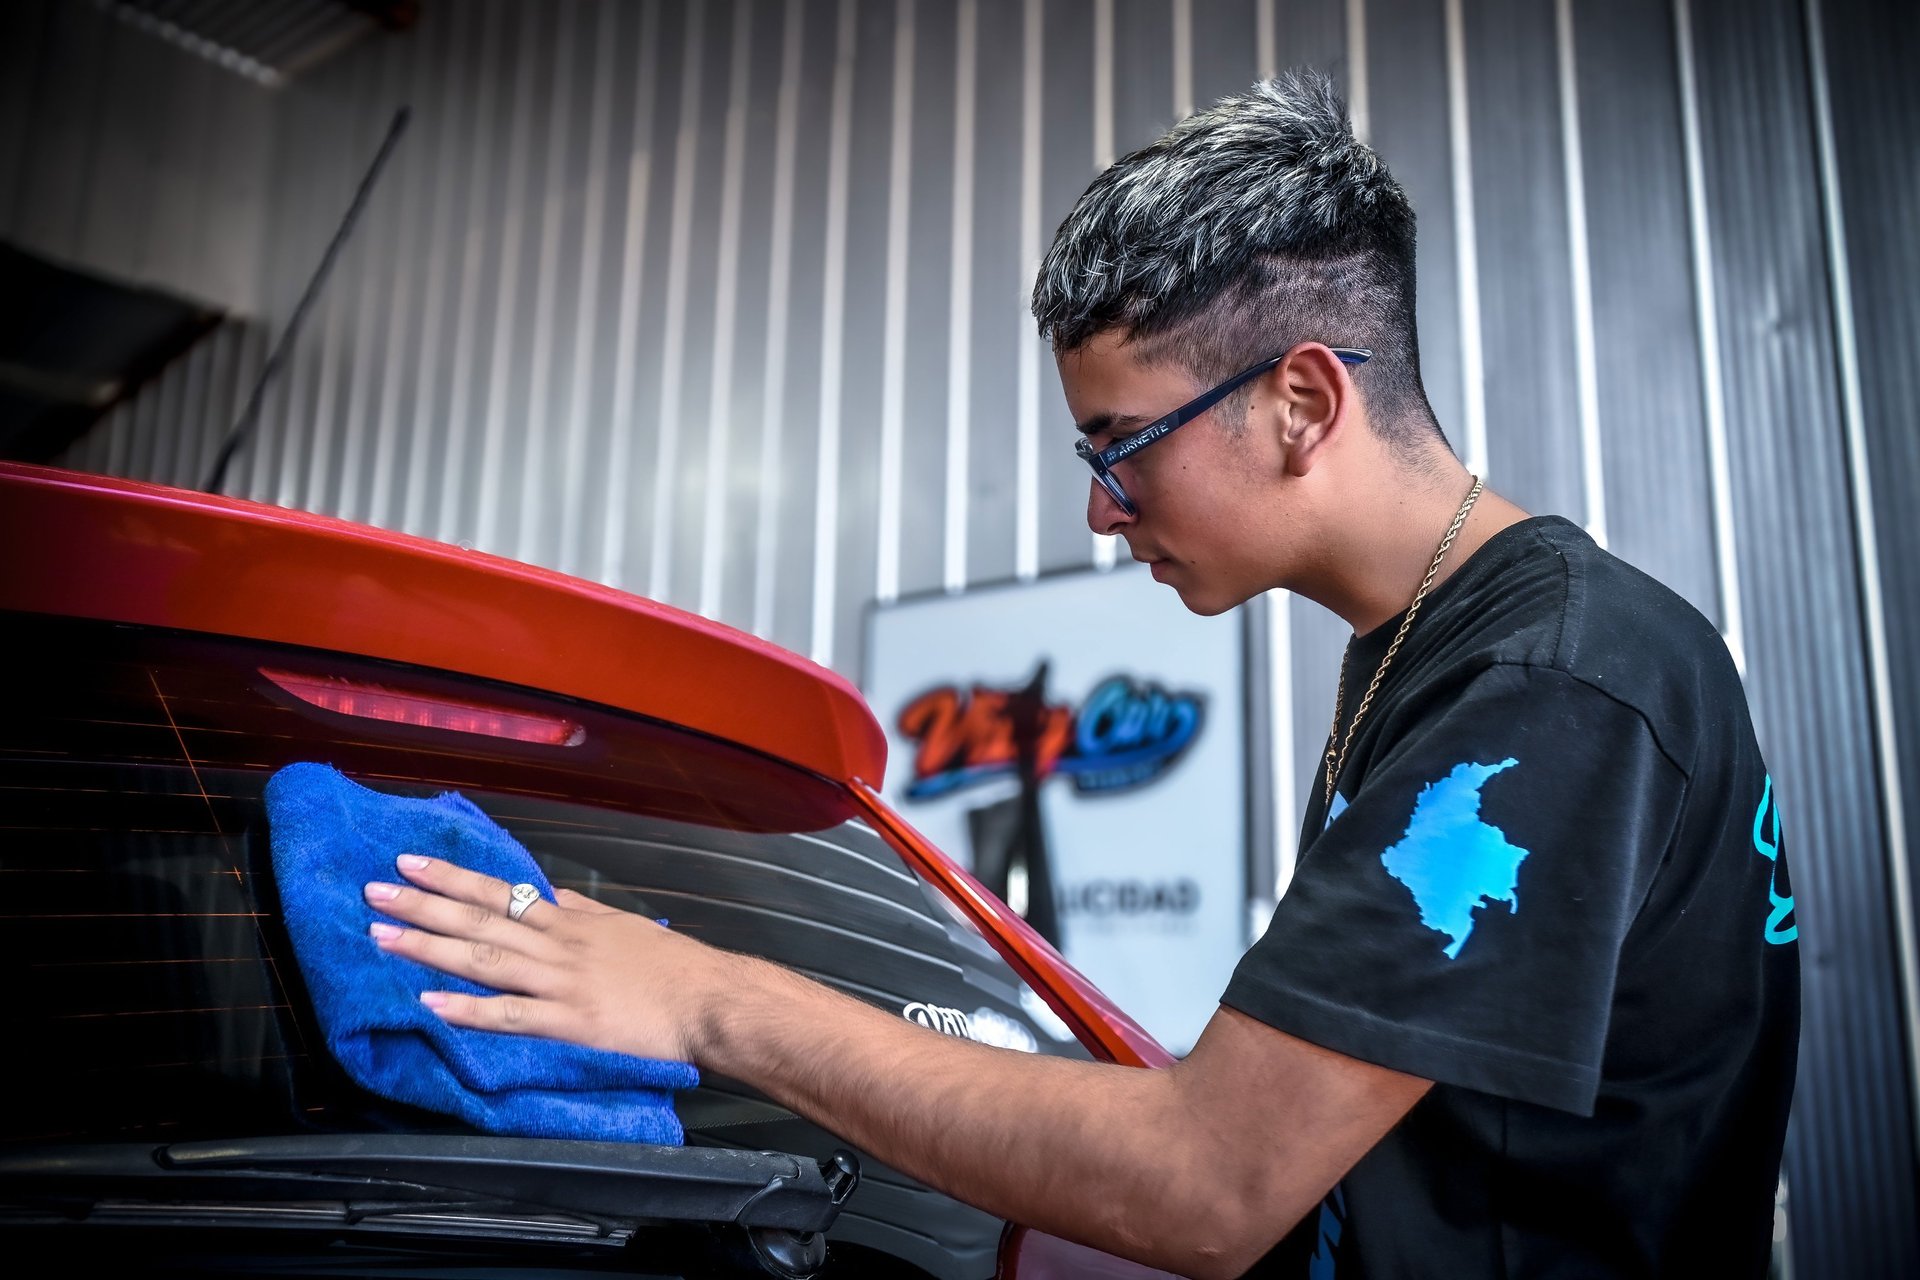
(608, 1180)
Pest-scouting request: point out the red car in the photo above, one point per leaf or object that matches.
(173, 1106)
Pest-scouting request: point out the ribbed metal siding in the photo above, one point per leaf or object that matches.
(1520, 224)
(1658, 491)
(267, 41)
(129, 156)
(579, 245)
(1850, 1157)
(1869, 49)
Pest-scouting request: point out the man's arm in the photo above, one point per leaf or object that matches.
(1197, 1169)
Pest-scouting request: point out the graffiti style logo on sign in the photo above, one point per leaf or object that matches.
(1125, 734)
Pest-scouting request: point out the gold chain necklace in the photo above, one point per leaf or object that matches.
(1373, 686)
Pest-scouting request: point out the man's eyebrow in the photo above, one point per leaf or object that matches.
(1100, 422)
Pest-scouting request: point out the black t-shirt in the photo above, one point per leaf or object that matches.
(1553, 883)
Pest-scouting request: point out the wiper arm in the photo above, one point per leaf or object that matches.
(611, 1180)
(615, 1180)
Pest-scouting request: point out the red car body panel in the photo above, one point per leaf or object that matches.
(122, 551)
(1100, 1025)
(118, 550)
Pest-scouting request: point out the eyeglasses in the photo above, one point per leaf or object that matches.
(1102, 460)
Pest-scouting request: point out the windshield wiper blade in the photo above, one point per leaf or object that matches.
(601, 1180)
(469, 1220)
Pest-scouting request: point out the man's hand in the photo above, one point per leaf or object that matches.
(579, 971)
(1198, 1168)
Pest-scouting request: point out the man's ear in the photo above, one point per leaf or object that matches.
(1314, 398)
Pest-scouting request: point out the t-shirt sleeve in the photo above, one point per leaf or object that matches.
(1461, 919)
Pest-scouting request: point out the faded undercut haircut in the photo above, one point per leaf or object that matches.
(1254, 225)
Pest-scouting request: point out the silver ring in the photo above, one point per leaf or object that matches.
(522, 897)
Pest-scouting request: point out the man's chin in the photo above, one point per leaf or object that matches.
(1207, 602)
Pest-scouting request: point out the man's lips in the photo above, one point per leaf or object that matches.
(1155, 564)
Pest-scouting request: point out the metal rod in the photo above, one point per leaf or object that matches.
(249, 415)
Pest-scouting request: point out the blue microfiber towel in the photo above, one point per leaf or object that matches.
(330, 837)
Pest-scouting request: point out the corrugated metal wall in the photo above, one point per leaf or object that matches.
(129, 155)
(724, 303)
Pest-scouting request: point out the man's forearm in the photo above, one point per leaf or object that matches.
(1087, 1151)
(1196, 1168)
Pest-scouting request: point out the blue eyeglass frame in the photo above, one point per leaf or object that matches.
(1101, 461)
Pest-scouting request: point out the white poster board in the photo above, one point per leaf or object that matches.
(1141, 765)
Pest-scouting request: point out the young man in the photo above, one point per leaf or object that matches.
(1530, 1005)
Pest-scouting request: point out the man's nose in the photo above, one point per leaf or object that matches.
(1104, 515)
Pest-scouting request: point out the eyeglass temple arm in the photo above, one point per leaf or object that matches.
(1347, 355)
(1113, 453)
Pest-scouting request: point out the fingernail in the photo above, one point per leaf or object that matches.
(412, 862)
(434, 999)
(381, 892)
(383, 931)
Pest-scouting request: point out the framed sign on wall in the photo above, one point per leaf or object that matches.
(1079, 742)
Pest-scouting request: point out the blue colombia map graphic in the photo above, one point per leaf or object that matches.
(1325, 1262)
(1452, 861)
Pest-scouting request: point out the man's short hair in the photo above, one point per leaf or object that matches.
(1251, 226)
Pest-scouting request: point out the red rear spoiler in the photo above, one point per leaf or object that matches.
(121, 551)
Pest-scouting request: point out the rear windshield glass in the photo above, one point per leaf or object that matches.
(161, 997)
